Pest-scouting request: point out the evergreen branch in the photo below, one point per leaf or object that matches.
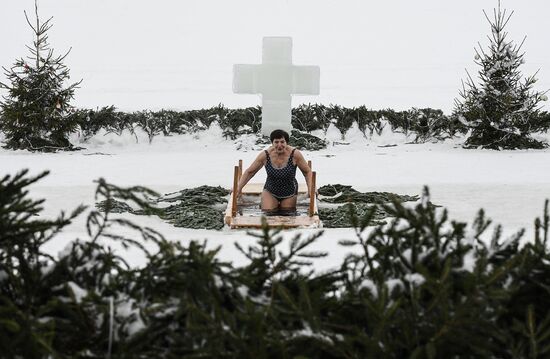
(29, 22)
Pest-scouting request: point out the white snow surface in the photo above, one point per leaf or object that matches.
(78, 292)
(415, 279)
(510, 185)
(369, 284)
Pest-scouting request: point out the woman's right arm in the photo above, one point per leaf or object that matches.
(251, 171)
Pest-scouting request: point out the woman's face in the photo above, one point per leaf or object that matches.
(279, 144)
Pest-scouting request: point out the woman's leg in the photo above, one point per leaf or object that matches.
(289, 204)
(268, 202)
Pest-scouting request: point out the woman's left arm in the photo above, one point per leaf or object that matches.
(304, 167)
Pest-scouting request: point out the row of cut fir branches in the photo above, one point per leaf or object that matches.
(203, 207)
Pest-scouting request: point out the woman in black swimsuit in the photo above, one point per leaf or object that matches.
(280, 161)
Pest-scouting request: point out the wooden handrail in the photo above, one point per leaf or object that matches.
(312, 192)
(235, 187)
(240, 169)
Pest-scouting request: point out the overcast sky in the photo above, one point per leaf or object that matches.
(179, 53)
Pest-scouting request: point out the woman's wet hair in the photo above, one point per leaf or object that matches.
(279, 134)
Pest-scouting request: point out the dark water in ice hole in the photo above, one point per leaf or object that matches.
(253, 210)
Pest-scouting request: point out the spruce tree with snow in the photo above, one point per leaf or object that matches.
(35, 114)
(503, 109)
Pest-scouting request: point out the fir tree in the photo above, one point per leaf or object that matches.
(36, 114)
(420, 286)
(502, 110)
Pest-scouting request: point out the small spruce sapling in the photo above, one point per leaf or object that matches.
(36, 113)
(501, 111)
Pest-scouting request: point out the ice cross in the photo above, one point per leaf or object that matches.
(276, 79)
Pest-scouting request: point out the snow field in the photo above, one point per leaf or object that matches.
(510, 185)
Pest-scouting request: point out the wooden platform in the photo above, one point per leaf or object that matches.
(236, 217)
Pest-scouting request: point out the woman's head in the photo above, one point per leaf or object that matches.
(278, 134)
(279, 139)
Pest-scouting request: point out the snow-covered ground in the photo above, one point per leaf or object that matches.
(510, 185)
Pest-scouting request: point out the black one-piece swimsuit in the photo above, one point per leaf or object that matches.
(281, 182)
